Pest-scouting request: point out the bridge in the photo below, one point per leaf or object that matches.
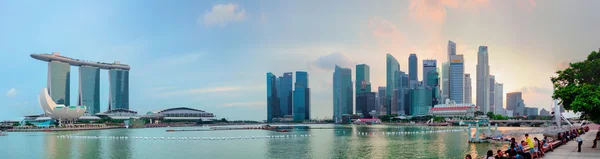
(512, 122)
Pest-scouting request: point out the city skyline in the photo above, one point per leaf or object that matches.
(213, 56)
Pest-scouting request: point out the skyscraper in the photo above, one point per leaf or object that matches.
(499, 98)
(413, 67)
(457, 74)
(89, 89)
(285, 94)
(381, 98)
(365, 104)
(468, 89)
(119, 89)
(483, 72)
(342, 93)
(363, 80)
(514, 102)
(59, 82)
(402, 91)
(272, 98)
(491, 97)
(445, 81)
(420, 101)
(301, 97)
(432, 85)
(451, 49)
(392, 70)
(428, 66)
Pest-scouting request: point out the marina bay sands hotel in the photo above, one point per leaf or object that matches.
(59, 75)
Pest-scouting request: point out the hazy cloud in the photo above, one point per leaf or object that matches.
(328, 62)
(222, 14)
(11, 93)
(535, 89)
(199, 91)
(257, 104)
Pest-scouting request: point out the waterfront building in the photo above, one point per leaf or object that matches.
(454, 110)
(544, 112)
(483, 72)
(366, 104)
(119, 89)
(301, 97)
(531, 111)
(457, 73)
(119, 114)
(451, 49)
(491, 92)
(342, 93)
(468, 89)
(272, 98)
(59, 111)
(181, 113)
(392, 71)
(432, 83)
(285, 93)
(89, 89)
(401, 93)
(499, 98)
(381, 99)
(514, 102)
(363, 79)
(428, 66)
(89, 79)
(420, 101)
(413, 67)
(445, 81)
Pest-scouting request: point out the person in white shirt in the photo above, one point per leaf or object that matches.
(579, 142)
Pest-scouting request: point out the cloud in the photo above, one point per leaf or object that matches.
(328, 62)
(198, 91)
(257, 104)
(223, 14)
(538, 90)
(11, 93)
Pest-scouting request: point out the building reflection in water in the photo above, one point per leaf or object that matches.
(119, 148)
(294, 147)
(56, 148)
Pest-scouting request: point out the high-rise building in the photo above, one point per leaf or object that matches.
(381, 100)
(301, 97)
(285, 94)
(272, 98)
(404, 85)
(428, 66)
(59, 82)
(451, 49)
(483, 72)
(544, 112)
(531, 111)
(468, 89)
(420, 101)
(118, 97)
(366, 104)
(514, 102)
(457, 74)
(413, 67)
(445, 81)
(89, 89)
(392, 71)
(491, 97)
(342, 93)
(432, 84)
(499, 98)
(363, 79)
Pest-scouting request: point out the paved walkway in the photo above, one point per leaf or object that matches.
(569, 151)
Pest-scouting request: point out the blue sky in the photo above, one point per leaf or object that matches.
(213, 55)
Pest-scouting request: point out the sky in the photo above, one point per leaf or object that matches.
(214, 55)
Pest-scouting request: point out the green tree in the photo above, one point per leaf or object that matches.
(490, 115)
(578, 87)
(223, 120)
(16, 124)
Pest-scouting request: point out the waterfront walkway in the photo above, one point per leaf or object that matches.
(569, 151)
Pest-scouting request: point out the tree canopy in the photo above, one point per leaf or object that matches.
(578, 87)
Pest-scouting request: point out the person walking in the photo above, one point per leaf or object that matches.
(531, 146)
(579, 142)
(596, 139)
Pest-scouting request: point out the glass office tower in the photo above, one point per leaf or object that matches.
(89, 89)
(285, 94)
(413, 67)
(59, 82)
(118, 97)
(363, 79)
(301, 97)
(342, 93)
(272, 98)
(457, 74)
(392, 71)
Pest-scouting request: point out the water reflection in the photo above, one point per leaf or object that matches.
(293, 147)
(57, 148)
(119, 149)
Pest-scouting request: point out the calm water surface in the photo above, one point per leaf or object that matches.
(326, 143)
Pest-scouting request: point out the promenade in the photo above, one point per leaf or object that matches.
(569, 151)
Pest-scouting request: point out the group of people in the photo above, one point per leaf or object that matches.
(537, 147)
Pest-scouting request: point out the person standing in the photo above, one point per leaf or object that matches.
(596, 139)
(579, 142)
(531, 146)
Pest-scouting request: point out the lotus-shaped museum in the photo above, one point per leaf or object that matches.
(60, 112)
